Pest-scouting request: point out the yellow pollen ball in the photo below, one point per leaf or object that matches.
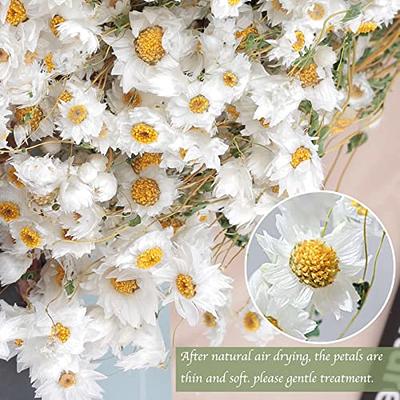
(367, 27)
(16, 13)
(309, 75)
(264, 123)
(274, 322)
(144, 133)
(49, 62)
(145, 160)
(148, 45)
(65, 96)
(251, 321)
(230, 79)
(359, 208)
(125, 287)
(149, 258)
(233, 3)
(77, 114)
(209, 320)
(275, 189)
(13, 178)
(67, 380)
(29, 115)
(60, 332)
(199, 104)
(55, 23)
(298, 45)
(30, 237)
(9, 211)
(145, 192)
(301, 154)
(4, 56)
(185, 286)
(19, 342)
(317, 12)
(314, 263)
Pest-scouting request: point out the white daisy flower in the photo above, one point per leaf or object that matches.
(129, 295)
(361, 94)
(196, 285)
(297, 167)
(81, 117)
(308, 266)
(226, 8)
(149, 193)
(13, 266)
(199, 105)
(143, 130)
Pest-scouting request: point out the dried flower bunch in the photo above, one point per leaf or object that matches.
(130, 131)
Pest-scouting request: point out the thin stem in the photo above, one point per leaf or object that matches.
(345, 169)
(365, 244)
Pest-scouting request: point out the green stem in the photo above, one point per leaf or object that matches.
(365, 244)
(326, 222)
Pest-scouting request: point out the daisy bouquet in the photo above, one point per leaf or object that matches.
(135, 135)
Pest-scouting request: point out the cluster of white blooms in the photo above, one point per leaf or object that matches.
(129, 132)
(317, 266)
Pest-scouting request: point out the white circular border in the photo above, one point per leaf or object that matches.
(388, 296)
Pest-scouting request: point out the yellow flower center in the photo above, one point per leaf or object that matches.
(232, 111)
(67, 380)
(60, 332)
(149, 258)
(145, 160)
(148, 45)
(60, 274)
(301, 154)
(199, 104)
(16, 13)
(145, 192)
(298, 45)
(359, 208)
(251, 321)
(182, 153)
(275, 189)
(185, 286)
(314, 263)
(19, 342)
(244, 34)
(309, 75)
(9, 211)
(30, 237)
(209, 320)
(367, 27)
(29, 115)
(233, 2)
(49, 62)
(45, 200)
(132, 99)
(77, 114)
(65, 96)
(316, 12)
(125, 287)
(264, 123)
(55, 23)
(30, 57)
(4, 56)
(144, 133)
(274, 322)
(230, 79)
(13, 178)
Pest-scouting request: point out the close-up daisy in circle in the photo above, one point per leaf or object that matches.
(320, 268)
(143, 130)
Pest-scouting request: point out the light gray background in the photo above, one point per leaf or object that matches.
(330, 329)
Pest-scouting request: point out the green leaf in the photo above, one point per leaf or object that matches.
(323, 134)
(356, 141)
(135, 221)
(305, 106)
(362, 289)
(352, 13)
(69, 287)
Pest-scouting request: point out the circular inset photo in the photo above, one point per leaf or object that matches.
(320, 267)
